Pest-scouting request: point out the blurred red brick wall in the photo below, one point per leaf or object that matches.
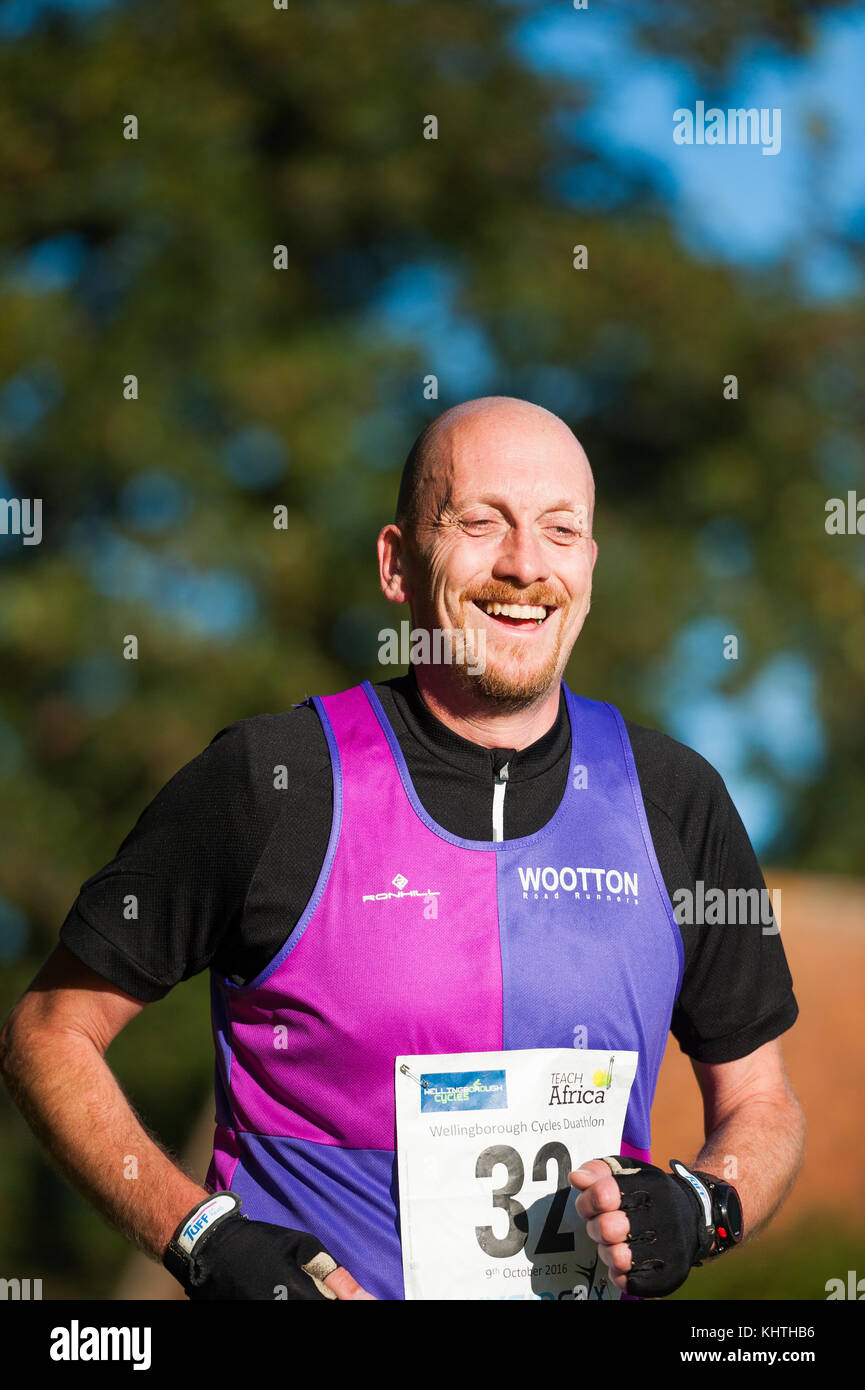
(823, 930)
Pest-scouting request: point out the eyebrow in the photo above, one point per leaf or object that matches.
(561, 506)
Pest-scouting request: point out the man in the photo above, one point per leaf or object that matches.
(271, 858)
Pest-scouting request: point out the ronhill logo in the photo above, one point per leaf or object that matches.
(590, 882)
(400, 883)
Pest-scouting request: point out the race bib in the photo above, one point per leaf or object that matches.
(485, 1142)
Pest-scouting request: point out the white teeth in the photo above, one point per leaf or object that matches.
(525, 611)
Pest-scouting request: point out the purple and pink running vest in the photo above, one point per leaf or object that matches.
(418, 941)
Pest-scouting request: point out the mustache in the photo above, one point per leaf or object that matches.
(539, 597)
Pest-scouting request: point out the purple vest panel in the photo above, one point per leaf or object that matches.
(417, 941)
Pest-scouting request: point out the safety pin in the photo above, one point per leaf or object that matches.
(420, 1081)
(610, 1072)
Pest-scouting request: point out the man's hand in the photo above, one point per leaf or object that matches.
(599, 1203)
(664, 1219)
(216, 1253)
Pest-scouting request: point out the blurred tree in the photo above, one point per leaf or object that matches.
(303, 387)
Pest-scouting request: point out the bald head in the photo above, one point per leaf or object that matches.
(424, 489)
(494, 516)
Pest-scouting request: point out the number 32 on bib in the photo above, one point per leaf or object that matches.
(485, 1142)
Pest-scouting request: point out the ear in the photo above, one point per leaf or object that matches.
(390, 564)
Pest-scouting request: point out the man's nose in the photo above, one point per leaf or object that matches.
(521, 558)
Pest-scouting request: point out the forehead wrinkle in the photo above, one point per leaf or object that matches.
(511, 493)
(456, 431)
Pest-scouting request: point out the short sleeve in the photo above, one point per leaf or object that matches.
(737, 991)
(157, 912)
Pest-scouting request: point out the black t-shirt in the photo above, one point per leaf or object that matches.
(220, 866)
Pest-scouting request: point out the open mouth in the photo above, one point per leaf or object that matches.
(527, 616)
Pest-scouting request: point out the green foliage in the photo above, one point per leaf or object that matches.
(795, 1265)
(303, 128)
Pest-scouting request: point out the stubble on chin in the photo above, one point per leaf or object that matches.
(506, 685)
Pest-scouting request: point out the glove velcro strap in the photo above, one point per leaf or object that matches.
(194, 1229)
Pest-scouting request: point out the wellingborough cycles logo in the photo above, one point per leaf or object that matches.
(464, 1090)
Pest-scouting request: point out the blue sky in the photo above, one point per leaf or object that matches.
(729, 202)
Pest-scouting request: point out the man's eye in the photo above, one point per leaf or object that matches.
(564, 530)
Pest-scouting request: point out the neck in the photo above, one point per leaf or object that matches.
(478, 719)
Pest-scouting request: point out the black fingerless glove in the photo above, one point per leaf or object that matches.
(671, 1225)
(216, 1253)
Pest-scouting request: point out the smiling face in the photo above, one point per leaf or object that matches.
(504, 518)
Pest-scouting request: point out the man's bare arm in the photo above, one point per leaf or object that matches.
(751, 1116)
(52, 1057)
(755, 1130)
